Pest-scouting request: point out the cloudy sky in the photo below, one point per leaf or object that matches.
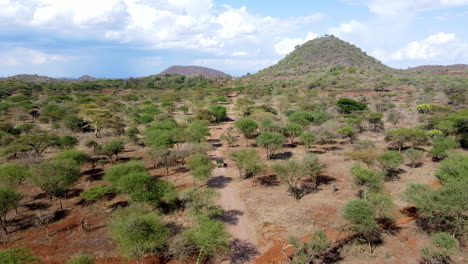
(122, 38)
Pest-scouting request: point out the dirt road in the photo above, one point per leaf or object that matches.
(235, 215)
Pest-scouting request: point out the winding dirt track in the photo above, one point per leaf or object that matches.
(225, 180)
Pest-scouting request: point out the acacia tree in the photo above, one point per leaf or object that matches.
(97, 116)
(55, 177)
(200, 166)
(293, 171)
(111, 149)
(307, 139)
(138, 231)
(361, 215)
(12, 174)
(9, 199)
(271, 142)
(292, 131)
(162, 157)
(39, 142)
(247, 162)
(219, 112)
(247, 126)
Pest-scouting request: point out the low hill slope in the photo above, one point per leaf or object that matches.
(321, 54)
(194, 70)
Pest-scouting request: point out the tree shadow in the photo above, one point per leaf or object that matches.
(213, 140)
(394, 175)
(40, 196)
(230, 217)
(317, 151)
(269, 180)
(242, 251)
(417, 165)
(181, 169)
(36, 206)
(72, 193)
(218, 182)
(93, 171)
(282, 156)
(325, 179)
(95, 177)
(389, 225)
(217, 145)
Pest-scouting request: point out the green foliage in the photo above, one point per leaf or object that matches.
(74, 123)
(55, 177)
(306, 118)
(201, 201)
(67, 141)
(208, 236)
(17, 256)
(291, 172)
(442, 146)
(12, 174)
(247, 126)
(111, 149)
(390, 160)
(368, 180)
(72, 154)
(271, 142)
(82, 259)
(382, 203)
(424, 108)
(9, 199)
(441, 209)
(159, 139)
(305, 251)
(197, 132)
(138, 231)
(347, 131)
(307, 139)
(133, 178)
(248, 162)
(38, 142)
(414, 156)
(219, 112)
(361, 215)
(293, 130)
(453, 169)
(442, 246)
(95, 193)
(367, 156)
(347, 106)
(399, 138)
(200, 166)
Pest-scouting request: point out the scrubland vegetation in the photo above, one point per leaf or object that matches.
(128, 168)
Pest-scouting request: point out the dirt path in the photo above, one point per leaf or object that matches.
(244, 239)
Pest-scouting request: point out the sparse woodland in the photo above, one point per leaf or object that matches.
(340, 161)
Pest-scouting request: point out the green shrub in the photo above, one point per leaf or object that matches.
(72, 154)
(442, 146)
(95, 193)
(453, 168)
(347, 106)
(17, 256)
(83, 259)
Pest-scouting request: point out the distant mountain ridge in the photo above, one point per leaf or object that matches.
(321, 54)
(455, 69)
(194, 70)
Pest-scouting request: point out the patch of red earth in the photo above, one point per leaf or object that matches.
(436, 183)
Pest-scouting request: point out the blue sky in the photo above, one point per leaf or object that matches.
(122, 38)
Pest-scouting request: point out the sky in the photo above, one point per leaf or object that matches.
(133, 38)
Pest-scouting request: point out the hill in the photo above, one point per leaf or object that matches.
(455, 69)
(321, 54)
(194, 70)
(32, 78)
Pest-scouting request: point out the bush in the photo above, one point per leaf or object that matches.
(247, 126)
(442, 246)
(442, 209)
(390, 160)
(72, 154)
(307, 139)
(361, 215)
(368, 180)
(271, 142)
(138, 231)
(200, 166)
(442, 146)
(414, 156)
(12, 174)
(95, 193)
(17, 256)
(111, 149)
(83, 259)
(347, 106)
(453, 169)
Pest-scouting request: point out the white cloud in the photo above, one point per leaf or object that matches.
(287, 45)
(239, 54)
(346, 28)
(23, 57)
(437, 48)
(402, 7)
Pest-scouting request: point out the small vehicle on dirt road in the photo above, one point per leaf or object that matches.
(220, 163)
